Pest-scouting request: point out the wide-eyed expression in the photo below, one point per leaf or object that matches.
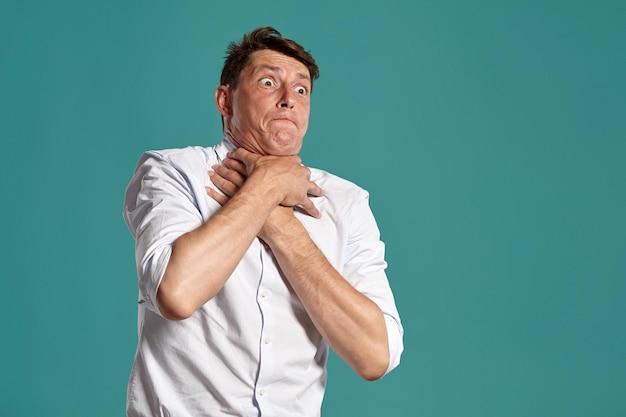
(268, 112)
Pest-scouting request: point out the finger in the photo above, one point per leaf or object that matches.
(310, 208)
(220, 198)
(239, 153)
(230, 175)
(222, 184)
(248, 158)
(236, 165)
(315, 190)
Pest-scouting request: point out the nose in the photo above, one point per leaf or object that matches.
(287, 99)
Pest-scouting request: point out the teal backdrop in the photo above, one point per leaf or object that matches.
(491, 135)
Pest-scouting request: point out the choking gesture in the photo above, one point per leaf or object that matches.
(286, 180)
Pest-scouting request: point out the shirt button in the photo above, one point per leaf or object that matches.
(261, 391)
(264, 294)
(267, 340)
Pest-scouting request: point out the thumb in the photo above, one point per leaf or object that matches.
(244, 156)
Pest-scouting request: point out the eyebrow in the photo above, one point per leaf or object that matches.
(279, 69)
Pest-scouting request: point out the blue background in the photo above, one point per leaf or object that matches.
(491, 135)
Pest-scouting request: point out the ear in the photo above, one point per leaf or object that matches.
(223, 101)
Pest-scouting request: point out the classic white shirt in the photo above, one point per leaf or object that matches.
(252, 350)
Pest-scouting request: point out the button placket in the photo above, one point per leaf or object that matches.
(267, 366)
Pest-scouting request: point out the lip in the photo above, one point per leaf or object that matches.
(284, 119)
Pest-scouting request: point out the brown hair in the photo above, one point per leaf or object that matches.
(238, 54)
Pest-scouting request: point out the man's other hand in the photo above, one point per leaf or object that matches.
(283, 176)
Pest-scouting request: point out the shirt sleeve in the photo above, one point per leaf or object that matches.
(159, 207)
(365, 269)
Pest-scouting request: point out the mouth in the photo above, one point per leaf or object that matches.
(284, 119)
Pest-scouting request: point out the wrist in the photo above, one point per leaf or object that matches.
(279, 227)
(264, 192)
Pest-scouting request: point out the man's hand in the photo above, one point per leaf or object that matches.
(228, 178)
(284, 176)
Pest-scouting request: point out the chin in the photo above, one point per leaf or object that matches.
(285, 147)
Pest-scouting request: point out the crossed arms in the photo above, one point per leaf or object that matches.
(258, 200)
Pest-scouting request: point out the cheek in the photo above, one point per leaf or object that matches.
(305, 118)
(247, 117)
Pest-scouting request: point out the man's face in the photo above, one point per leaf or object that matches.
(268, 112)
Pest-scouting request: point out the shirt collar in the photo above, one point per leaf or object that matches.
(222, 149)
(226, 145)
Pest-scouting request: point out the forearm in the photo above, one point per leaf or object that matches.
(351, 323)
(203, 259)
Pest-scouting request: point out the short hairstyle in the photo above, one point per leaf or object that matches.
(238, 54)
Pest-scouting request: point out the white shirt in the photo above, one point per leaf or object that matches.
(252, 350)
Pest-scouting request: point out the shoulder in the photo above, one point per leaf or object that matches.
(334, 184)
(179, 156)
(179, 168)
(191, 161)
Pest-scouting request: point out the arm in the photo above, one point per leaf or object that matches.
(203, 259)
(351, 323)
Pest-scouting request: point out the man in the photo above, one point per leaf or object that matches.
(250, 264)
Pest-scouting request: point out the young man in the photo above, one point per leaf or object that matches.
(250, 264)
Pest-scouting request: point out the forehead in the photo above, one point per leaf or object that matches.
(268, 59)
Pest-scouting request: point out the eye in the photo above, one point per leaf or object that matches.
(303, 91)
(267, 82)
